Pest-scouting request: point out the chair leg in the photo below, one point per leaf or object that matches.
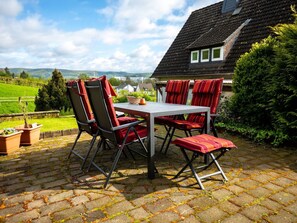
(88, 153)
(171, 136)
(93, 158)
(165, 139)
(72, 149)
(113, 165)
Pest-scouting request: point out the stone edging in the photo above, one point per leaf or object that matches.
(51, 134)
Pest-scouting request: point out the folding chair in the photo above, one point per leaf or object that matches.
(201, 145)
(110, 129)
(84, 117)
(205, 93)
(176, 93)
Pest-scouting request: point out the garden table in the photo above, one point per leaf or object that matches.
(155, 109)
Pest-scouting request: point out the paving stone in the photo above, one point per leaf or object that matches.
(213, 214)
(35, 204)
(228, 207)
(270, 204)
(55, 183)
(165, 217)
(235, 189)
(263, 178)
(248, 184)
(159, 205)
(185, 210)
(190, 219)
(292, 189)
(139, 213)
(99, 203)
(292, 208)
(123, 206)
(48, 209)
(222, 194)
(11, 210)
(283, 217)
(236, 219)
(259, 192)
(44, 219)
(94, 215)
(24, 216)
(242, 199)
(256, 212)
(68, 213)
(79, 199)
(19, 199)
(60, 196)
(283, 198)
(202, 203)
(283, 181)
(119, 219)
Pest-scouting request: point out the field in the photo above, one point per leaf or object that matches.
(9, 94)
(49, 124)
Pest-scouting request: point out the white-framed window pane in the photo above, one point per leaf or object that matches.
(195, 56)
(205, 55)
(217, 54)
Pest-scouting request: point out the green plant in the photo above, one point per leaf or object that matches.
(8, 131)
(24, 109)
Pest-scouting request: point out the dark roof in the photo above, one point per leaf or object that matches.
(208, 26)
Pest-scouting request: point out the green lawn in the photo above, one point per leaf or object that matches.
(11, 90)
(49, 124)
(9, 94)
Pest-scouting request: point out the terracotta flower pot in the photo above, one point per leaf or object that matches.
(30, 135)
(10, 143)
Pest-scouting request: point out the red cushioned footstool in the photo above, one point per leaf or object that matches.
(202, 145)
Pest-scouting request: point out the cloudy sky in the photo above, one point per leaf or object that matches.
(105, 35)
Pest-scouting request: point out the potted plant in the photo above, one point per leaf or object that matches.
(9, 140)
(31, 132)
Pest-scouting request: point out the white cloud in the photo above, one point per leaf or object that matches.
(10, 7)
(140, 33)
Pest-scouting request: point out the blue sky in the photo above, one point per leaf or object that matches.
(102, 35)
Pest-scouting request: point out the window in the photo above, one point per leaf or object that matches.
(205, 55)
(195, 56)
(217, 54)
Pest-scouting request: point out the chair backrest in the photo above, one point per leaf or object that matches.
(100, 96)
(206, 93)
(81, 107)
(177, 91)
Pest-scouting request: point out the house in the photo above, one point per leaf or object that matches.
(145, 87)
(214, 37)
(126, 87)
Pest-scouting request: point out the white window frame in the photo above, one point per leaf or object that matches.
(221, 54)
(192, 60)
(205, 60)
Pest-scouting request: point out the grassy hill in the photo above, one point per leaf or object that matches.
(9, 95)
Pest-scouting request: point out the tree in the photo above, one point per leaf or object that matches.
(114, 81)
(83, 76)
(250, 81)
(284, 85)
(53, 94)
(24, 75)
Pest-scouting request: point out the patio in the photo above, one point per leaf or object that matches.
(38, 184)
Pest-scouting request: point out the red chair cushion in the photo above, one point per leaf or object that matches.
(141, 130)
(185, 124)
(126, 119)
(203, 143)
(177, 91)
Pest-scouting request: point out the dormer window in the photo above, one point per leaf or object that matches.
(195, 56)
(217, 54)
(205, 55)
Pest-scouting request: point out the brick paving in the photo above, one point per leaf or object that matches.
(39, 184)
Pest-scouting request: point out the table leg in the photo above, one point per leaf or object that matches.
(207, 129)
(151, 148)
